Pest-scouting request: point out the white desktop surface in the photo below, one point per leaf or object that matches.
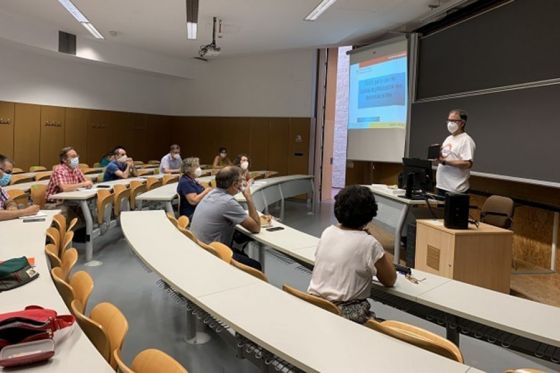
(75, 353)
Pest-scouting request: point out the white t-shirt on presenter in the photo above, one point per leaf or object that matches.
(455, 148)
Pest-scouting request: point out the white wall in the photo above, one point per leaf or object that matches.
(270, 85)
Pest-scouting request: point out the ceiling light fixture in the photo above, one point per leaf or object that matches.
(192, 19)
(315, 13)
(71, 8)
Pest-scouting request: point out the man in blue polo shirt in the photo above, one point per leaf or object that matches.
(121, 167)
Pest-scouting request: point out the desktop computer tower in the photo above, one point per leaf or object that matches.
(456, 211)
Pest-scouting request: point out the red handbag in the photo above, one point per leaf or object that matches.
(32, 324)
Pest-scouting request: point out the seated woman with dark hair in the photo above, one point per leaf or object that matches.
(347, 257)
(221, 160)
(242, 161)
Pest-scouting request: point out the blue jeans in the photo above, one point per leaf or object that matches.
(244, 259)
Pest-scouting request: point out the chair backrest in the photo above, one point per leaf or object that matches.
(82, 286)
(153, 161)
(59, 221)
(37, 168)
(257, 174)
(104, 200)
(114, 324)
(189, 234)
(250, 270)
(83, 166)
(68, 261)
(183, 221)
(72, 225)
(121, 199)
(268, 174)
(121, 366)
(145, 172)
(53, 235)
(212, 183)
(18, 196)
(418, 337)
(497, 211)
(64, 288)
(223, 251)
(66, 242)
(19, 179)
(153, 183)
(16, 170)
(136, 188)
(90, 171)
(97, 165)
(138, 163)
(313, 299)
(172, 219)
(52, 254)
(152, 360)
(42, 176)
(38, 194)
(93, 330)
(168, 178)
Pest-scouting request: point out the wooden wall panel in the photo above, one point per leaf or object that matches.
(237, 133)
(75, 127)
(278, 146)
(100, 138)
(158, 136)
(52, 135)
(258, 143)
(7, 129)
(27, 134)
(298, 158)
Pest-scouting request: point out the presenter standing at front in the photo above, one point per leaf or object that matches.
(456, 156)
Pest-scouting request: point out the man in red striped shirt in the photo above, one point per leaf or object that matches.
(67, 176)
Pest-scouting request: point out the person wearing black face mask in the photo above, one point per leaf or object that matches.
(456, 156)
(9, 209)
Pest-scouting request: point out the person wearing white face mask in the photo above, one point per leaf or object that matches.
(171, 162)
(221, 160)
(189, 190)
(456, 156)
(9, 209)
(242, 161)
(122, 167)
(67, 176)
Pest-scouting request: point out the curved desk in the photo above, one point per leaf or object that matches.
(306, 336)
(75, 353)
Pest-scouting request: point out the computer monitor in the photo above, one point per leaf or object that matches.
(417, 177)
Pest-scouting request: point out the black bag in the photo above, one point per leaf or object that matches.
(15, 273)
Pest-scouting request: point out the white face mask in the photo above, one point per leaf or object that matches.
(74, 162)
(176, 156)
(223, 155)
(123, 159)
(198, 172)
(244, 165)
(452, 127)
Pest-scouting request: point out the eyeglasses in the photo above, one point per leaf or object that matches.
(454, 120)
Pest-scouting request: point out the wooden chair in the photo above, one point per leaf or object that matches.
(82, 287)
(72, 225)
(183, 221)
(104, 200)
(138, 163)
(212, 183)
(268, 174)
(114, 324)
(93, 330)
(38, 194)
(136, 188)
(66, 242)
(121, 199)
(83, 166)
(223, 251)
(52, 254)
(169, 178)
(16, 170)
(64, 288)
(145, 172)
(153, 161)
(53, 235)
(18, 196)
(90, 171)
(153, 183)
(313, 299)
(20, 179)
(150, 361)
(59, 222)
(97, 165)
(257, 174)
(250, 270)
(172, 219)
(69, 259)
(37, 168)
(418, 337)
(189, 234)
(42, 176)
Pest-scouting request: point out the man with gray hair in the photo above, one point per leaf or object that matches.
(171, 162)
(218, 213)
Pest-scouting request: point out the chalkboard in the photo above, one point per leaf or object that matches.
(517, 133)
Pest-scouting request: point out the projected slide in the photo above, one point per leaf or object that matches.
(378, 93)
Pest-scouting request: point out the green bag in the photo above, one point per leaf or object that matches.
(15, 273)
